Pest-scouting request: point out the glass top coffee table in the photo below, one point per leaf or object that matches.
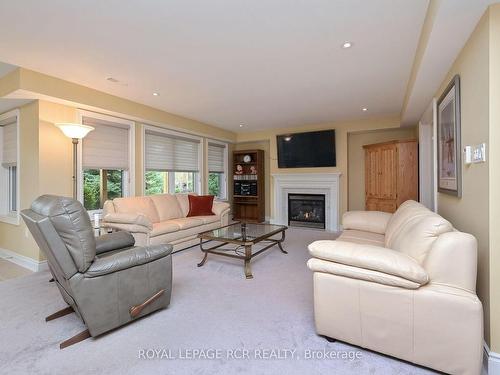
(243, 237)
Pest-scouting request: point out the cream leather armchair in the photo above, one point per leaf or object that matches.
(403, 285)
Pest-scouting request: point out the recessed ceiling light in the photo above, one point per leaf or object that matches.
(365, 109)
(346, 45)
(241, 125)
(156, 94)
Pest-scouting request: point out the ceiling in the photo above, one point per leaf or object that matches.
(263, 64)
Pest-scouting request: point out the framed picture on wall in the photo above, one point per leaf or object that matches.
(449, 149)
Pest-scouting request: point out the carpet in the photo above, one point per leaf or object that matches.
(217, 323)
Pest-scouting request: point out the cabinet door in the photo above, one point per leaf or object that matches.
(388, 172)
(372, 162)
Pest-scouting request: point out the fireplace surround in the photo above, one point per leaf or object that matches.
(306, 183)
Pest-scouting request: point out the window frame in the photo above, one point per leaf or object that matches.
(128, 176)
(171, 179)
(225, 198)
(11, 217)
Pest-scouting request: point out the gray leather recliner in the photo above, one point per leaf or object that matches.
(107, 281)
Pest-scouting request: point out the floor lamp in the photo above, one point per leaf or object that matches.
(75, 132)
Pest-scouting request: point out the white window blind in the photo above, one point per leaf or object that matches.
(216, 157)
(106, 147)
(165, 152)
(9, 142)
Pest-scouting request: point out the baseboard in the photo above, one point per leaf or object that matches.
(24, 261)
(491, 361)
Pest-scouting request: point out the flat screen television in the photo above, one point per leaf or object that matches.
(306, 150)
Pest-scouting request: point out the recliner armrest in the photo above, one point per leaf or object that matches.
(126, 259)
(368, 221)
(370, 257)
(114, 241)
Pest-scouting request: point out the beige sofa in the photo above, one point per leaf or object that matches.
(159, 219)
(403, 284)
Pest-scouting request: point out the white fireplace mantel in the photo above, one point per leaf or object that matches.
(307, 183)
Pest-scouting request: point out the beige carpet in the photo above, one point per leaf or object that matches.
(214, 309)
(9, 270)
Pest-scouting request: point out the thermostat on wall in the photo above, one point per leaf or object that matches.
(475, 154)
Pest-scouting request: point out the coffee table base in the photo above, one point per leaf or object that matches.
(248, 252)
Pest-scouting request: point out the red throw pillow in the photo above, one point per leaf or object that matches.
(200, 205)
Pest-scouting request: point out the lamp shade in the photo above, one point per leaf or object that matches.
(77, 131)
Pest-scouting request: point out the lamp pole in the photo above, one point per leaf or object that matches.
(75, 167)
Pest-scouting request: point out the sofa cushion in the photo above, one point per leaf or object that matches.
(186, 222)
(362, 237)
(164, 227)
(416, 236)
(182, 235)
(184, 202)
(137, 205)
(405, 212)
(167, 206)
(208, 219)
(200, 205)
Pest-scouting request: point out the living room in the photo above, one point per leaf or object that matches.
(254, 187)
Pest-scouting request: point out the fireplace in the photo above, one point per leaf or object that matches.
(306, 210)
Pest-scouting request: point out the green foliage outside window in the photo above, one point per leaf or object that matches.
(155, 182)
(184, 182)
(115, 184)
(214, 184)
(92, 187)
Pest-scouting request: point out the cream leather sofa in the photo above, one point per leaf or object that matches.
(402, 284)
(160, 219)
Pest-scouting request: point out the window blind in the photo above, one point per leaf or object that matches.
(216, 157)
(106, 147)
(165, 152)
(9, 142)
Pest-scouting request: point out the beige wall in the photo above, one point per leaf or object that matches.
(341, 131)
(260, 145)
(494, 181)
(356, 159)
(46, 159)
(16, 237)
(471, 212)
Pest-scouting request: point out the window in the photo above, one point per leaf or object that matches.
(99, 185)
(9, 177)
(217, 169)
(156, 182)
(106, 160)
(172, 162)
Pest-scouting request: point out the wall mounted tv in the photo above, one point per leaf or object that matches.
(306, 150)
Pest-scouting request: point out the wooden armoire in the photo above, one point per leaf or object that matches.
(391, 174)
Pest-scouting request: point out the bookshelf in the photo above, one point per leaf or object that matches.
(248, 186)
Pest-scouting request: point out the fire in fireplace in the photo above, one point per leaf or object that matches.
(306, 210)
